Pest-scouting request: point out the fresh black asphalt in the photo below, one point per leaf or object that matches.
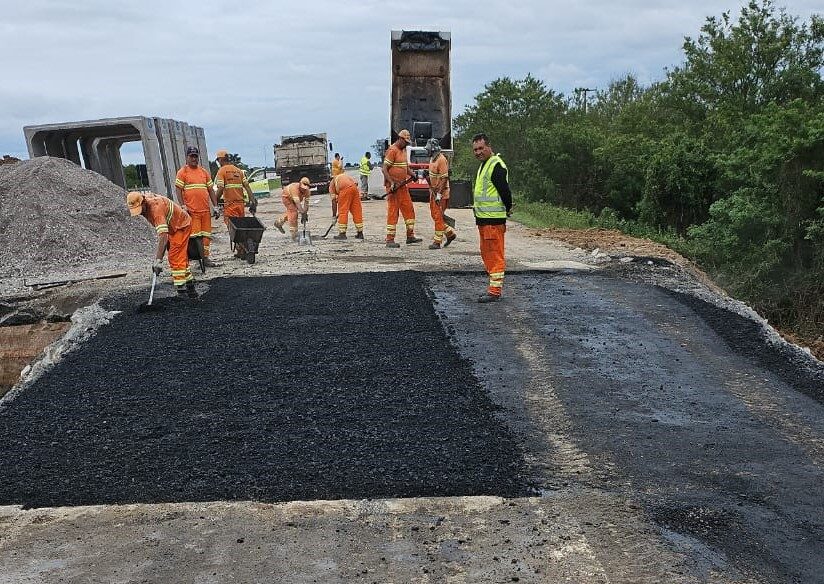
(268, 389)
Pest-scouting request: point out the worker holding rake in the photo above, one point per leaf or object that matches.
(173, 226)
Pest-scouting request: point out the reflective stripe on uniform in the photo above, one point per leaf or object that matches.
(486, 201)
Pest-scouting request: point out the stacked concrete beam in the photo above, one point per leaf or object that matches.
(96, 145)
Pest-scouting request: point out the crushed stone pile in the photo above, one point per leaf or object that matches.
(56, 217)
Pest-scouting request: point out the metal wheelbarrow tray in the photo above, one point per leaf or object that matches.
(247, 231)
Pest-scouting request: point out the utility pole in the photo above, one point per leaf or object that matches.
(585, 91)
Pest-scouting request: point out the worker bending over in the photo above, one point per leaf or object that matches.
(233, 187)
(295, 197)
(344, 190)
(492, 204)
(194, 191)
(173, 226)
(439, 193)
(395, 171)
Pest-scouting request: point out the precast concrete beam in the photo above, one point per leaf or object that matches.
(164, 145)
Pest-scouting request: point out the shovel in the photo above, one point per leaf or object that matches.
(305, 236)
(149, 307)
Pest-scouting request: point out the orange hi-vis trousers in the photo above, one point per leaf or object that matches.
(202, 227)
(399, 202)
(291, 215)
(492, 253)
(179, 256)
(349, 201)
(437, 209)
(234, 209)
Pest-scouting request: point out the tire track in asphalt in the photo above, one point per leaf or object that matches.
(617, 549)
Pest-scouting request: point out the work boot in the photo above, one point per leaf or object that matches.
(434, 245)
(359, 235)
(412, 239)
(279, 226)
(484, 298)
(209, 263)
(181, 291)
(340, 236)
(392, 244)
(450, 237)
(190, 290)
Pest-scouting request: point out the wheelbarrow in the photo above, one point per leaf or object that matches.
(195, 252)
(246, 231)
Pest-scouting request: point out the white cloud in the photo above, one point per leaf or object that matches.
(250, 71)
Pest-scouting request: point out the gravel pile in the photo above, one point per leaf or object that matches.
(57, 217)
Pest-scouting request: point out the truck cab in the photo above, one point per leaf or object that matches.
(419, 165)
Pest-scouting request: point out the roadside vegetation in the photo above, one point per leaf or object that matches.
(722, 160)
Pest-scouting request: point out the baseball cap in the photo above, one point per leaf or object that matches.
(405, 135)
(305, 181)
(222, 154)
(192, 150)
(135, 202)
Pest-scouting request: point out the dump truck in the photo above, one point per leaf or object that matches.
(304, 155)
(421, 96)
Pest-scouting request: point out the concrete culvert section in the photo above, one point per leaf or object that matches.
(268, 389)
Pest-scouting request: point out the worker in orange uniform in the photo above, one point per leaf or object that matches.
(492, 204)
(439, 193)
(236, 192)
(194, 191)
(395, 172)
(344, 190)
(173, 226)
(337, 165)
(295, 197)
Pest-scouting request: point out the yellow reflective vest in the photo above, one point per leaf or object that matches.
(486, 201)
(365, 168)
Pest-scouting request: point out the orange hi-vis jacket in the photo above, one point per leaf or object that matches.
(439, 175)
(340, 183)
(165, 215)
(195, 183)
(232, 179)
(294, 192)
(395, 160)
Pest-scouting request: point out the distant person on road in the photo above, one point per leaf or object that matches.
(173, 226)
(395, 172)
(194, 191)
(337, 165)
(233, 187)
(344, 190)
(492, 204)
(295, 197)
(365, 170)
(439, 193)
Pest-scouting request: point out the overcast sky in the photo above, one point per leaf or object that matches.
(249, 72)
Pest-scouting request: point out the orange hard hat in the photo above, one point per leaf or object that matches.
(222, 154)
(405, 135)
(135, 202)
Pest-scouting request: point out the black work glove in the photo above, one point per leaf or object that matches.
(216, 213)
(253, 206)
(304, 217)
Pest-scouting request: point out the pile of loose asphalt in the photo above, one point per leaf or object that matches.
(268, 389)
